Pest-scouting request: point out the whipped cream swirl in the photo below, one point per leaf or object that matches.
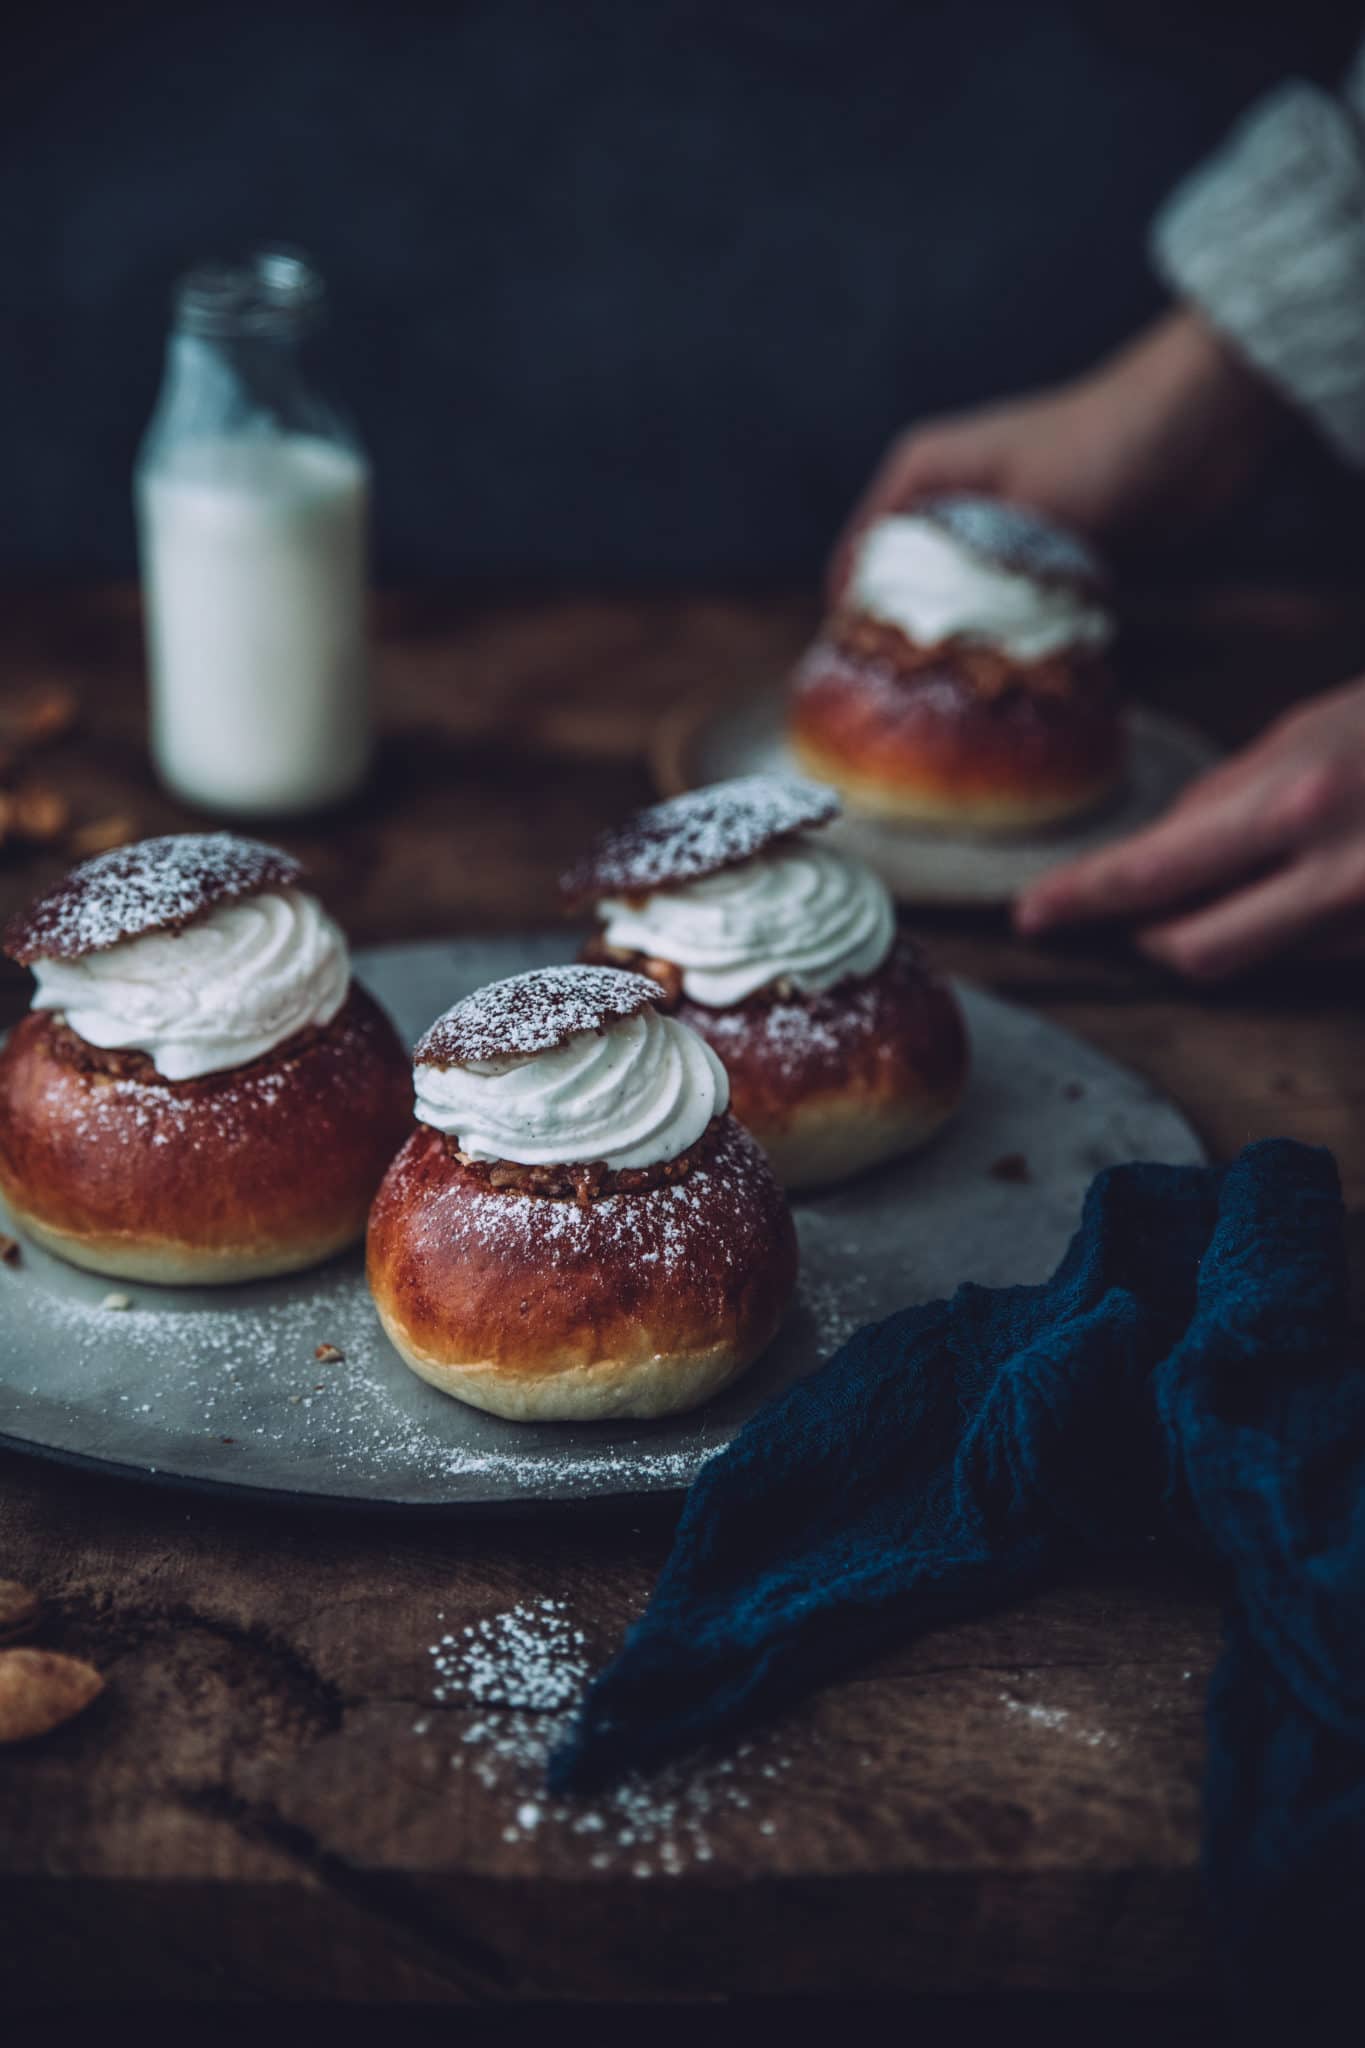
(232, 986)
(639, 1091)
(801, 913)
(914, 575)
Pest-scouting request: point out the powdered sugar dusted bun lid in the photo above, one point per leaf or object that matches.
(842, 1049)
(199, 1094)
(569, 1067)
(1017, 540)
(699, 833)
(155, 885)
(577, 1227)
(964, 679)
(531, 1013)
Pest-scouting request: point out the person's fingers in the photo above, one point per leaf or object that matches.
(1198, 845)
(1249, 927)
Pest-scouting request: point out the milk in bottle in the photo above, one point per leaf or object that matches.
(252, 502)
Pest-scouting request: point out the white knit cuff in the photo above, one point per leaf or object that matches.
(1268, 239)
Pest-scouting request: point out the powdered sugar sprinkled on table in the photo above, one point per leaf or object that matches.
(523, 1672)
(1059, 1719)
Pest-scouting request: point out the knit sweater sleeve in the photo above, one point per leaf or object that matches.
(1267, 238)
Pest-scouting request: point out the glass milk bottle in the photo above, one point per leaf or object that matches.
(252, 503)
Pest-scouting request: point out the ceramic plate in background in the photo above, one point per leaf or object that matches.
(707, 743)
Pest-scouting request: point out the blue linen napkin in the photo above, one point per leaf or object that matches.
(1187, 1372)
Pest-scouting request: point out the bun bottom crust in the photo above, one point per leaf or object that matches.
(243, 1175)
(926, 749)
(534, 1308)
(834, 1084)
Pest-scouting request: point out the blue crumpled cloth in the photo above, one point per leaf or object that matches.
(1188, 1372)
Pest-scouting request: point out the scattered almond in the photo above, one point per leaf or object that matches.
(39, 814)
(1012, 1167)
(19, 1610)
(102, 833)
(9, 1250)
(116, 1301)
(39, 1689)
(47, 716)
(328, 1354)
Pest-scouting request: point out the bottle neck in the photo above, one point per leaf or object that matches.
(227, 384)
(234, 363)
(246, 368)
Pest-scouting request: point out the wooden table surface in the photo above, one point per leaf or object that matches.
(268, 1800)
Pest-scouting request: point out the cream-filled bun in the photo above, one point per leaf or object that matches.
(783, 952)
(200, 1093)
(577, 1228)
(964, 679)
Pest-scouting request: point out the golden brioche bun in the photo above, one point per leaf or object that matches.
(259, 1170)
(539, 1309)
(926, 745)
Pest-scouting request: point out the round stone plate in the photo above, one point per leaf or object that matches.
(706, 743)
(220, 1387)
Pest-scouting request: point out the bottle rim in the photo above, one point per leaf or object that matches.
(276, 290)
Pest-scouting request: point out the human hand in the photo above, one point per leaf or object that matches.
(1264, 855)
(1168, 429)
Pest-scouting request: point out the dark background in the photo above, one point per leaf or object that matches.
(622, 291)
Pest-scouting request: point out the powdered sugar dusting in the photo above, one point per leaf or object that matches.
(1015, 537)
(806, 1042)
(524, 1671)
(245, 1372)
(698, 834)
(154, 885)
(794, 1035)
(1059, 1719)
(707, 1226)
(533, 1013)
(220, 1114)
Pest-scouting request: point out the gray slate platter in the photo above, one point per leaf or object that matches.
(221, 1388)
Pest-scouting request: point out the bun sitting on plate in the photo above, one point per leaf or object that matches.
(783, 953)
(200, 1093)
(577, 1228)
(964, 679)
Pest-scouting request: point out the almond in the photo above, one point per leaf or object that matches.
(39, 1689)
(329, 1354)
(39, 814)
(102, 833)
(47, 716)
(19, 1610)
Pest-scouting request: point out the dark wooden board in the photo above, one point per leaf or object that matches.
(249, 1811)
